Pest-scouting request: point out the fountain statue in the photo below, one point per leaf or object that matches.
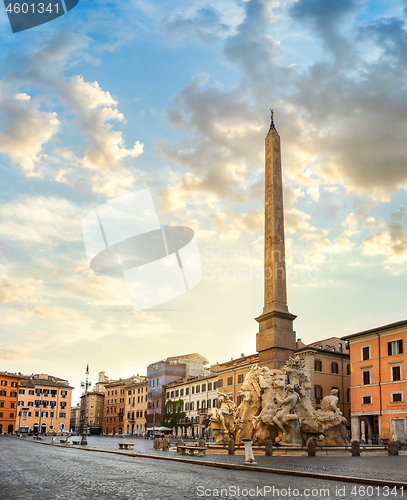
(277, 405)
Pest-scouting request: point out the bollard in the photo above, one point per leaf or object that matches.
(393, 448)
(166, 444)
(311, 448)
(269, 447)
(201, 443)
(355, 449)
(53, 439)
(180, 442)
(248, 451)
(156, 444)
(231, 447)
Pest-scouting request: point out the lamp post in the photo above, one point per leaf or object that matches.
(85, 427)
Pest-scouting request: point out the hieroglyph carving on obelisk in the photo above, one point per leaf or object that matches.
(275, 286)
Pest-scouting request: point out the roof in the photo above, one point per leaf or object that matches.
(376, 330)
(182, 359)
(331, 344)
(32, 381)
(13, 375)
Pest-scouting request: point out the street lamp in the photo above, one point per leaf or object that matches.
(85, 427)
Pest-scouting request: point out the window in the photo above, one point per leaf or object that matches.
(198, 389)
(186, 406)
(366, 377)
(31, 392)
(318, 394)
(12, 405)
(182, 392)
(192, 390)
(197, 405)
(396, 373)
(208, 404)
(13, 394)
(318, 365)
(397, 397)
(215, 385)
(348, 369)
(3, 393)
(191, 406)
(395, 347)
(4, 382)
(21, 391)
(63, 394)
(215, 403)
(348, 394)
(334, 367)
(209, 386)
(230, 380)
(203, 387)
(366, 400)
(172, 394)
(11, 415)
(176, 394)
(240, 378)
(365, 353)
(14, 384)
(187, 391)
(1, 404)
(220, 383)
(203, 404)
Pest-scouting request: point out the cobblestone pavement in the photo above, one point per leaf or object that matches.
(31, 471)
(375, 467)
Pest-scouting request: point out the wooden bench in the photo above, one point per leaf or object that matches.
(191, 449)
(76, 442)
(126, 446)
(62, 440)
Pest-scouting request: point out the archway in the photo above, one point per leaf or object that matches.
(43, 428)
(10, 429)
(1, 429)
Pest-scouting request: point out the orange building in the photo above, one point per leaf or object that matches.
(9, 384)
(378, 383)
(44, 404)
(115, 393)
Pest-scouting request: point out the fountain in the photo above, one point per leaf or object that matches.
(277, 405)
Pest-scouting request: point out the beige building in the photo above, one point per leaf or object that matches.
(135, 410)
(92, 410)
(44, 404)
(328, 362)
(196, 397)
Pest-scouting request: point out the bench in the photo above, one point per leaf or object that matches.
(126, 446)
(62, 440)
(191, 449)
(76, 442)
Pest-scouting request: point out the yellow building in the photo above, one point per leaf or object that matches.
(135, 406)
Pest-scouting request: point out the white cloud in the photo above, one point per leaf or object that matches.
(26, 132)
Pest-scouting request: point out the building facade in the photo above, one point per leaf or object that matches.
(195, 397)
(162, 373)
(115, 393)
(135, 410)
(379, 382)
(328, 362)
(92, 412)
(44, 404)
(74, 421)
(9, 387)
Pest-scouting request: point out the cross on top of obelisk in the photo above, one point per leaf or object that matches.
(272, 126)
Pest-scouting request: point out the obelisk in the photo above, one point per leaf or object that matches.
(275, 341)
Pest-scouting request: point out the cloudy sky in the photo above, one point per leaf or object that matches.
(174, 96)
